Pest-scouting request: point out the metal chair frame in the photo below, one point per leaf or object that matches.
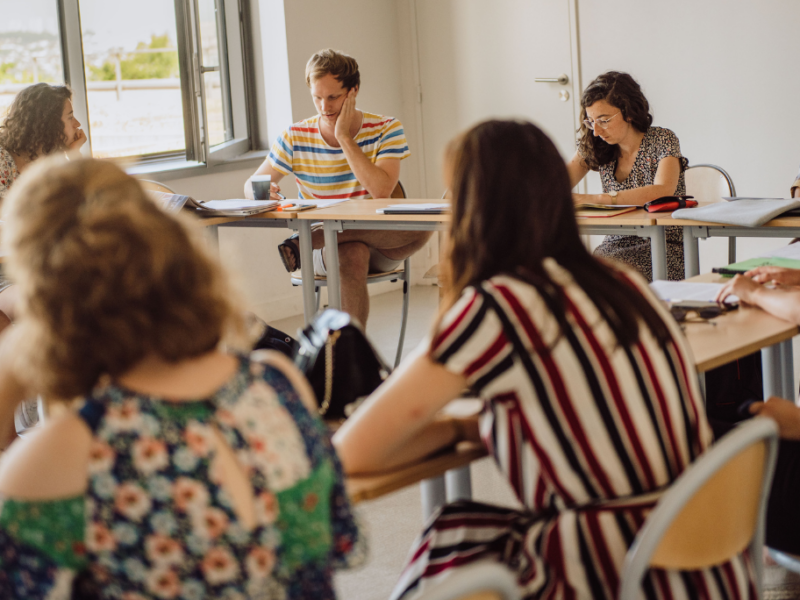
(732, 189)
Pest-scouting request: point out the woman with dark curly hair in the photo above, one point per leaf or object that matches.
(637, 163)
(39, 122)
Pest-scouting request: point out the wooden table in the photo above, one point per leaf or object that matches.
(782, 227)
(742, 332)
(368, 487)
(361, 214)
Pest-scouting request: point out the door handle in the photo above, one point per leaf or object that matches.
(562, 79)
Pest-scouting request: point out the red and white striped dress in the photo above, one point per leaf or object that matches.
(589, 433)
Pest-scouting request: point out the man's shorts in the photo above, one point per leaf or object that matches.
(378, 263)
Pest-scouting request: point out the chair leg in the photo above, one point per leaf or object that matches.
(404, 319)
(318, 295)
(731, 250)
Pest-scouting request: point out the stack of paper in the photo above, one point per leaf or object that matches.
(235, 208)
(679, 291)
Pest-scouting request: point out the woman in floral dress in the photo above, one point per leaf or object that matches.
(181, 471)
(637, 163)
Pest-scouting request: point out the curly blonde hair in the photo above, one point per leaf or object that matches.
(106, 277)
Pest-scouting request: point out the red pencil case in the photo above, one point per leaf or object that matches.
(670, 203)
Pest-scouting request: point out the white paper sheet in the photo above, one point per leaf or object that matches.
(238, 204)
(788, 251)
(677, 291)
(319, 203)
(417, 207)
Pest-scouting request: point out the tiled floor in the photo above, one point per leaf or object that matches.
(394, 521)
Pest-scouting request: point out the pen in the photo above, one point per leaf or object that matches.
(726, 271)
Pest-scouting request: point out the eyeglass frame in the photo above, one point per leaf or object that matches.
(602, 122)
(679, 313)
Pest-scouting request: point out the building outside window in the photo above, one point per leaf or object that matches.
(159, 80)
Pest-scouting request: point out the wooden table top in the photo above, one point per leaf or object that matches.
(736, 333)
(365, 210)
(368, 487)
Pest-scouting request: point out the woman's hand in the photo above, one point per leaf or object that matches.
(78, 141)
(785, 413)
(776, 275)
(741, 286)
(342, 129)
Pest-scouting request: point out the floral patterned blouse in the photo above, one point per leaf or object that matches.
(8, 171)
(155, 522)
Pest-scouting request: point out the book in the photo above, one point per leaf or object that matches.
(213, 208)
(761, 261)
(425, 208)
(594, 211)
(689, 293)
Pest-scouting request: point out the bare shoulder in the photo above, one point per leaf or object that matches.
(48, 463)
(292, 373)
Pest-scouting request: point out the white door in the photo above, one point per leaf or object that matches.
(479, 60)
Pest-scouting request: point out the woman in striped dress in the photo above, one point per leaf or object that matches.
(591, 401)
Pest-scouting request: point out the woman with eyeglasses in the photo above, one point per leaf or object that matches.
(637, 163)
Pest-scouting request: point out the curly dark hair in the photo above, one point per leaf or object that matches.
(33, 126)
(621, 91)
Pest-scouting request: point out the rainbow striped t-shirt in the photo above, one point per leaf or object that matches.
(321, 171)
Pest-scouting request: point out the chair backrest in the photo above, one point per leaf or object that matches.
(156, 186)
(399, 191)
(708, 183)
(482, 580)
(712, 512)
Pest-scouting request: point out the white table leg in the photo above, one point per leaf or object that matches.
(458, 484)
(433, 496)
(332, 264)
(307, 269)
(787, 371)
(691, 253)
(771, 371)
(658, 252)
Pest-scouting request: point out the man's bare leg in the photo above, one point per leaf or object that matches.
(354, 261)
(353, 269)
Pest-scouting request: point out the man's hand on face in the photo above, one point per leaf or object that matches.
(342, 129)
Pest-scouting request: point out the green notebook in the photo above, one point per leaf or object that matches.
(764, 261)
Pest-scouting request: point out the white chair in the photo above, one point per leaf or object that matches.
(712, 512)
(484, 580)
(403, 275)
(710, 183)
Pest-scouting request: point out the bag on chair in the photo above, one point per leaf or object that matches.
(339, 362)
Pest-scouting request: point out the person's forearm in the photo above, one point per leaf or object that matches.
(781, 302)
(376, 181)
(638, 196)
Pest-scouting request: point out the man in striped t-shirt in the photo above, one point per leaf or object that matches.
(343, 152)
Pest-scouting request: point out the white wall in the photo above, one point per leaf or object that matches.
(721, 74)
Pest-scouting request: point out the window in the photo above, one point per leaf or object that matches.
(30, 49)
(158, 79)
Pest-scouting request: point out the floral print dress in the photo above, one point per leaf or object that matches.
(658, 143)
(155, 522)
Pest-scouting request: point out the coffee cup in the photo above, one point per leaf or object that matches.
(261, 186)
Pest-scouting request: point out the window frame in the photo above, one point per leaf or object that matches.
(233, 77)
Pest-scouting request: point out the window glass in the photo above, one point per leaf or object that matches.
(132, 77)
(30, 48)
(218, 130)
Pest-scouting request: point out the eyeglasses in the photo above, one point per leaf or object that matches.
(603, 123)
(680, 313)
